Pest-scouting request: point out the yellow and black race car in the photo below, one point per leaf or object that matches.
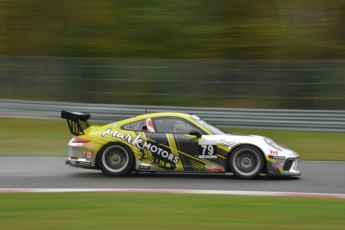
(173, 142)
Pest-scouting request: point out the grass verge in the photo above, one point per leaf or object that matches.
(27, 137)
(167, 211)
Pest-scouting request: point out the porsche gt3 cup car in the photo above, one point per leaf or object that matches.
(173, 142)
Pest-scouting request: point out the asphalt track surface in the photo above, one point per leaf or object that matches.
(52, 172)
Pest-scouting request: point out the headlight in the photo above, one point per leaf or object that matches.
(272, 144)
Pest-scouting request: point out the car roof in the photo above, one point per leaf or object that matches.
(163, 114)
(155, 115)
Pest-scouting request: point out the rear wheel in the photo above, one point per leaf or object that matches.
(115, 160)
(246, 162)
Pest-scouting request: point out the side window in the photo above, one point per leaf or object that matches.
(172, 125)
(136, 126)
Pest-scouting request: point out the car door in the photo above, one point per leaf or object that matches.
(154, 153)
(174, 133)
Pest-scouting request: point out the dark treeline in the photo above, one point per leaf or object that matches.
(187, 29)
(226, 53)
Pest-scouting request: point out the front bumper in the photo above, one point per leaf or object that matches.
(283, 162)
(290, 167)
(286, 167)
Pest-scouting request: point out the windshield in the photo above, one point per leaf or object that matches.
(205, 124)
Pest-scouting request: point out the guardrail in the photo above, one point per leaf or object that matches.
(318, 120)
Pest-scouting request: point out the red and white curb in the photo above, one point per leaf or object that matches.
(172, 191)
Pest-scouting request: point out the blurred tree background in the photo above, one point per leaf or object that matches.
(226, 53)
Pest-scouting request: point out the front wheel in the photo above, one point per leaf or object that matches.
(115, 160)
(246, 162)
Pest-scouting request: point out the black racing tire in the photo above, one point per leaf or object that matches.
(246, 162)
(115, 160)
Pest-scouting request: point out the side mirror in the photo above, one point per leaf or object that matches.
(195, 132)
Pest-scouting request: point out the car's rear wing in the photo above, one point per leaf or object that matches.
(77, 121)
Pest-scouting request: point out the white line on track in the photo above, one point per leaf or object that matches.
(173, 191)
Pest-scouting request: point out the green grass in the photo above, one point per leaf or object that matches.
(167, 211)
(25, 137)
(28, 137)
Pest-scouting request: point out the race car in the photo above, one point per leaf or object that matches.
(173, 142)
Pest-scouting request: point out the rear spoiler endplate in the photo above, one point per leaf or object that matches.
(77, 121)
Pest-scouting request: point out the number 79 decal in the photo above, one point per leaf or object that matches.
(208, 151)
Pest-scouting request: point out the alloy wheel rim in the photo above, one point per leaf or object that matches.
(246, 162)
(115, 159)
